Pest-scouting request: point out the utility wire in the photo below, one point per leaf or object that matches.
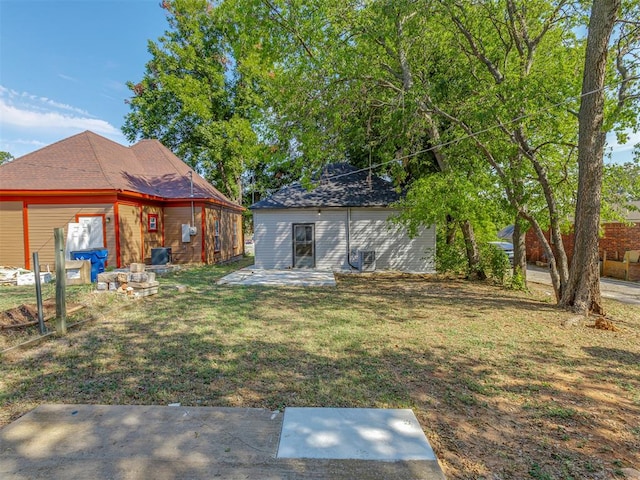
(477, 133)
(410, 155)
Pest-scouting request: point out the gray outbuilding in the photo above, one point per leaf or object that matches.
(341, 224)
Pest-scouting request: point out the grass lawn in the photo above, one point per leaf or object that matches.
(502, 390)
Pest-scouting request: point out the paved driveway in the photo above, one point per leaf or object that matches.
(625, 292)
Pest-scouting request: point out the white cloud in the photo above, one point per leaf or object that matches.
(63, 106)
(29, 122)
(29, 118)
(19, 146)
(38, 102)
(67, 77)
(29, 143)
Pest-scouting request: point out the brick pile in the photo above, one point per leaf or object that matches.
(136, 283)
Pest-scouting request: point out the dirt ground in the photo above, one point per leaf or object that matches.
(25, 314)
(505, 385)
(21, 323)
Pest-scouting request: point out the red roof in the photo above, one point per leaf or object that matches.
(87, 161)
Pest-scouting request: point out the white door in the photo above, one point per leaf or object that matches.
(95, 229)
(304, 251)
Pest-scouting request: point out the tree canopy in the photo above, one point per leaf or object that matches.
(192, 97)
(480, 97)
(5, 157)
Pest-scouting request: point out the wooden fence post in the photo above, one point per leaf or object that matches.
(36, 271)
(61, 282)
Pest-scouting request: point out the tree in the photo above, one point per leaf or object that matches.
(583, 291)
(344, 85)
(512, 52)
(193, 97)
(391, 75)
(5, 157)
(484, 95)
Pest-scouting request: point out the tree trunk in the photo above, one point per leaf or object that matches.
(473, 255)
(451, 230)
(239, 186)
(520, 249)
(548, 251)
(583, 290)
(559, 260)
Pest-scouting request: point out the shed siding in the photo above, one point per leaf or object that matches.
(369, 230)
(11, 235)
(151, 239)
(174, 218)
(44, 218)
(130, 234)
(273, 237)
(210, 217)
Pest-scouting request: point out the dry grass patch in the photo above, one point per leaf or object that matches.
(502, 390)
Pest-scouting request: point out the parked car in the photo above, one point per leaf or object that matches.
(506, 247)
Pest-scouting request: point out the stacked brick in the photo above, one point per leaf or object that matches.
(136, 283)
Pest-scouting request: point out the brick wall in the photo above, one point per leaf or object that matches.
(617, 239)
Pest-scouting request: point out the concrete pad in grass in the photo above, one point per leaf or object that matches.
(129, 442)
(297, 277)
(353, 433)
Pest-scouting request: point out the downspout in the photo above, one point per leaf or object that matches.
(193, 215)
(349, 239)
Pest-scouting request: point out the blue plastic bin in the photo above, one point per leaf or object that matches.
(97, 257)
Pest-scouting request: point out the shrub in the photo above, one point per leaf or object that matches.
(495, 263)
(451, 258)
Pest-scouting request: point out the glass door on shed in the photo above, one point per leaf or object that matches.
(304, 252)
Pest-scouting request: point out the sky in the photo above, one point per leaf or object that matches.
(64, 65)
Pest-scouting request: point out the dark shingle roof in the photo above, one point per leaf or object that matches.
(341, 185)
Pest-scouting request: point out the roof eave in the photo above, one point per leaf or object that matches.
(52, 193)
(309, 207)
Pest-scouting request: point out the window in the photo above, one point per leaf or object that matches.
(235, 234)
(216, 235)
(152, 222)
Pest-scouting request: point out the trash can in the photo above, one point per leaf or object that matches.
(97, 257)
(160, 255)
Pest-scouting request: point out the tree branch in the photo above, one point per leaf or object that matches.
(285, 24)
(476, 49)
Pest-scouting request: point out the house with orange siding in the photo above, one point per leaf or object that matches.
(136, 199)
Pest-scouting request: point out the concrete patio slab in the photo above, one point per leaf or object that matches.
(353, 433)
(284, 278)
(127, 442)
(141, 442)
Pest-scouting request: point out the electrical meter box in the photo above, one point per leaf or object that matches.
(186, 233)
